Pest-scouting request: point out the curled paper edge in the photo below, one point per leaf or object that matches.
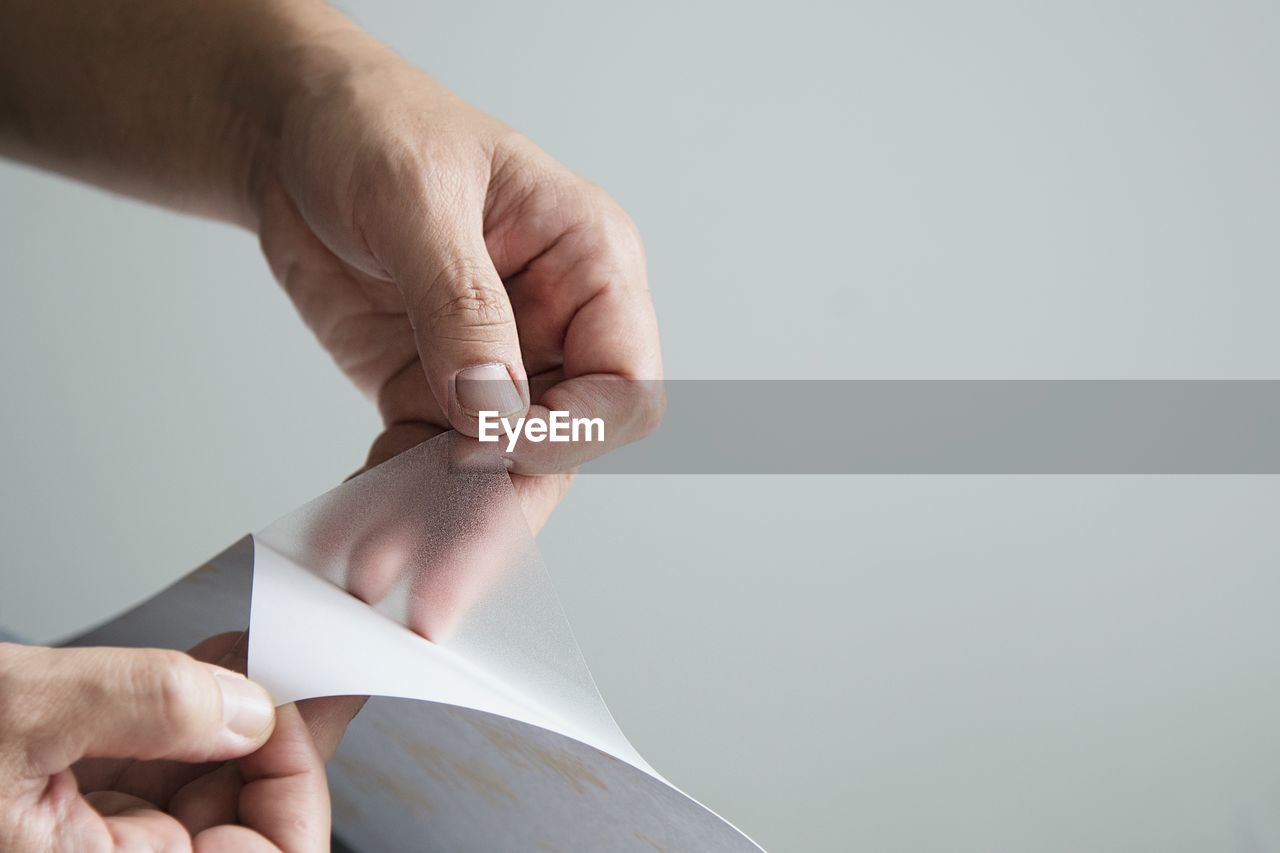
(510, 651)
(449, 753)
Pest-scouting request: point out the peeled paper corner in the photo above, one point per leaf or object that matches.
(418, 584)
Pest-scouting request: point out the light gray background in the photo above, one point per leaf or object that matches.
(921, 189)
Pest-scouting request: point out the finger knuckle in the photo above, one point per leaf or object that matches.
(170, 682)
(651, 407)
(614, 241)
(10, 690)
(16, 689)
(512, 148)
(620, 223)
(466, 305)
(626, 235)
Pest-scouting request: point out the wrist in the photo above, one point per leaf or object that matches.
(304, 48)
(331, 92)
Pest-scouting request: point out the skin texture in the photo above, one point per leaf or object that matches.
(417, 236)
(419, 239)
(106, 749)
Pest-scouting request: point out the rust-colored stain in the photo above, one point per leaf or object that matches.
(640, 836)
(559, 763)
(205, 574)
(365, 775)
(449, 769)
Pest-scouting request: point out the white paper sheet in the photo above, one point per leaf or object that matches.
(486, 732)
(311, 638)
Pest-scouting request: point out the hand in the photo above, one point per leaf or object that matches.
(449, 265)
(149, 734)
(446, 262)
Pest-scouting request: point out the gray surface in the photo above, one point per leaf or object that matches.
(983, 190)
(214, 598)
(418, 776)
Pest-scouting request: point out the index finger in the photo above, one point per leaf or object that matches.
(611, 372)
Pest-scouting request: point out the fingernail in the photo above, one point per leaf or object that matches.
(487, 388)
(246, 707)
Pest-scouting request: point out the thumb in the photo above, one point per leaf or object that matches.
(462, 319)
(66, 704)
